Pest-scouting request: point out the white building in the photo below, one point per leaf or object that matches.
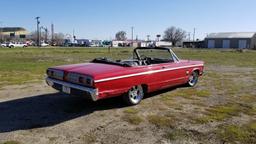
(163, 44)
(116, 43)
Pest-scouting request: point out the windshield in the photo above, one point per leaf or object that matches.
(142, 57)
(160, 54)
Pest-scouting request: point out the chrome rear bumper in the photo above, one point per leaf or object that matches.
(91, 92)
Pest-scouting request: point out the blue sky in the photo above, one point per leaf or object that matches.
(101, 19)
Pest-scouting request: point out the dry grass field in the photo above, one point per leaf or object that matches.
(220, 109)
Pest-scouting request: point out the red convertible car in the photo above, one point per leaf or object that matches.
(149, 70)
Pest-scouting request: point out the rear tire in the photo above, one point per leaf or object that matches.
(193, 79)
(134, 95)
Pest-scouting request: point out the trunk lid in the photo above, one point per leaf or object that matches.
(95, 70)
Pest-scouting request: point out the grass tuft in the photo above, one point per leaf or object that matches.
(11, 142)
(176, 134)
(219, 113)
(131, 111)
(132, 119)
(252, 125)
(234, 133)
(88, 138)
(161, 121)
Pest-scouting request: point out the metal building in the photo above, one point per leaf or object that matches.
(231, 40)
(13, 32)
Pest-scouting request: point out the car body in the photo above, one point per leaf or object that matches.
(17, 44)
(44, 44)
(4, 44)
(151, 69)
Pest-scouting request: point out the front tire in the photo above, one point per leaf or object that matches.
(193, 79)
(134, 95)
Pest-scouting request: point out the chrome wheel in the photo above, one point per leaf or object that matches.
(193, 79)
(134, 95)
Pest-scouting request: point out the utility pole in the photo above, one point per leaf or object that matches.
(73, 33)
(132, 28)
(74, 37)
(1, 31)
(52, 29)
(158, 37)
(46, 35)
(38, 31)
(148, 36)
(189, 37)
(194, 34)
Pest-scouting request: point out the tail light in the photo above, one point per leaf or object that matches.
(80, 79)
(57, 74)
(89, 81)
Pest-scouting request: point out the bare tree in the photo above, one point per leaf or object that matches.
(33, 36)
(59, 39)
(121, 35)
(174, 35)
(43, 36)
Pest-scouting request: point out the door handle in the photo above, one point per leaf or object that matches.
(163, 67)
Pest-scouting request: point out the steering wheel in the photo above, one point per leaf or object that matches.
(146, 60)
(142, 57)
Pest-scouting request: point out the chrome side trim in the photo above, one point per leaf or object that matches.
(93, 92)
(145, 73)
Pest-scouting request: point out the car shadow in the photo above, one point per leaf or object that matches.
(51, 109)
(48, 110)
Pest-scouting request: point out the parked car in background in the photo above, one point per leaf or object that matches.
(17, 44)
(96, 43)
(30, 43)
(151, 69)
(106, 43)
(44, 44)
(4, 44)
(76, 43)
